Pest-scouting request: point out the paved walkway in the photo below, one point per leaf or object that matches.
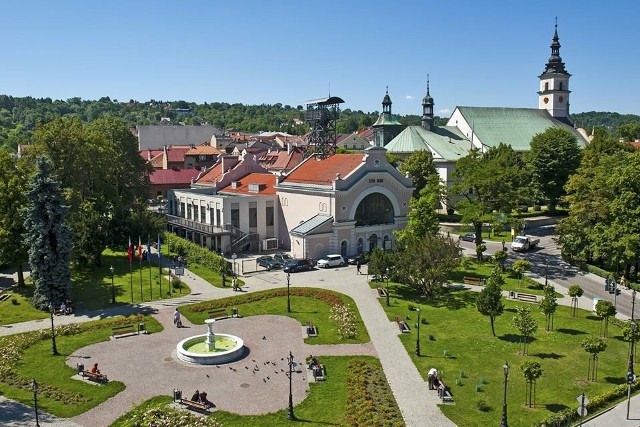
(155, 354)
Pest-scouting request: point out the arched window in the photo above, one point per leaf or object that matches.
(343, 248)
(373, 242)
(360, 245)
(374, 209)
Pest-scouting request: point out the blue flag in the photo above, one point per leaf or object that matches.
(158, 245)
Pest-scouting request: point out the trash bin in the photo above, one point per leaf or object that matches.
(177, 395)
(234, 312)
(80, 367)
(512, 294)
(142, 329)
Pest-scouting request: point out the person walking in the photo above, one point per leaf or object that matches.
(177, 319)
(358, 264)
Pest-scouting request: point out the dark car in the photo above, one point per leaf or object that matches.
(282, 258)
(268, 262)
(294, 265)
(469, 237)
(360, 257)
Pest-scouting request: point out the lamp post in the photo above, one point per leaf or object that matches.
(113, 290)
(387, 286)
(54, 349)
(224, 270)
(288, 293)
(418, 337)
(631, 377)
(234, 256)
(34, 388)
(504, 423)
(546, 269)
(290, 415)
(633, 303)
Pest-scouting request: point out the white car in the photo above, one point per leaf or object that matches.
(331, 261)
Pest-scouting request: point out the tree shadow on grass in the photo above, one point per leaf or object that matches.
(453, 299)
(615, 380)
(514, 338)
(570, 331)
(591, 317)
(554, 356)
(555, 407)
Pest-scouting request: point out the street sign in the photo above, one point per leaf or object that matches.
(179, 271)
(582, 411)
(582, 399)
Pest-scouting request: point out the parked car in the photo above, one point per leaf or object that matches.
(268, 262)
(282, 258)
(469, 237)
(294, 265)
(360, 257)
(332, 260)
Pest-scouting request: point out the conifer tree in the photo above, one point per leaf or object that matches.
(48, 237)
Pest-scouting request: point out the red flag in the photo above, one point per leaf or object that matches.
(139, 248)
(130, 251)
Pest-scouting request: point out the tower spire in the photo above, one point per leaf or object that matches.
(427, 109)
(553, 95)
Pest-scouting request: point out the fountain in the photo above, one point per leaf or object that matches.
(210, 348)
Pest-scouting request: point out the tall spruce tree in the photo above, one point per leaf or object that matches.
(49, 238)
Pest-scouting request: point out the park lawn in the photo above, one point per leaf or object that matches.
(462, 342)
(325, 403)
(92, 286)
(51, 371)
(303, 308)
(22, 310)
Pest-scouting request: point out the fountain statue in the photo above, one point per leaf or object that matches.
(210, 348)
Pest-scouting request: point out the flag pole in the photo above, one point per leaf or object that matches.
(140, 263)
(160, 265)
(149, 265)
(130, 253)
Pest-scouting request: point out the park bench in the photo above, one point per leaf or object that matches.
(404, 328)
(470, 280)
(123, 330)
(526, 297)
(312, 331)
(219, 313)
(204, 407)
(100, 378)
(444, 393)
(319, 374)
(381, 292)
(4, 295)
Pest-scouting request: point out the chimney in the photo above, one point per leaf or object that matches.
(288, 148)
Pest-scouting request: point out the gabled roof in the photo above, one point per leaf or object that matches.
(444, 142)
(203, 150)
(281, 159)
(173, 176)
(512, 126)
(176, 154)
(323, 171)
(312, 224)
(212, 175)
(253, 183)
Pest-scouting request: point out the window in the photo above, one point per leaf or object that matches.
(253, 214)
(202, 158)
(182, 210)
(195, 213)
(269, 216)
(546, 85)
(561, 85)
(235, 215)
(373, 242)
(188, 211)
(203, 214)
(374, 209)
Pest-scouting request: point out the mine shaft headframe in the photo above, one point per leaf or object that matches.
(322, 116)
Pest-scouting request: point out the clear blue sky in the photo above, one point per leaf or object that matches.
(477, 52)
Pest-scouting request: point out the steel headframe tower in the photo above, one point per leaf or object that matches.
(322, 115)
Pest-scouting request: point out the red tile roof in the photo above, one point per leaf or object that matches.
(173, 176)
(213, 174)
(149, 154)
(314, 171)
(264, 182)
(176, 154)
(202, 150)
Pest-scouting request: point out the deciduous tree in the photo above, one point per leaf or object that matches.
(526, 325)
(605, 309)
(489, 300)
(593, 346)
(575, 292)
(548, 306)
(531, 371)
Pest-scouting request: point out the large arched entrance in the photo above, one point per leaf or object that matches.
(374, 209)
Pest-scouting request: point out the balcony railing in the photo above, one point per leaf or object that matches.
(199, 226)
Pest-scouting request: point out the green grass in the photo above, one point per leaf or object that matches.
(51, 371)
(22, 310)
(324, 405)
(303, 308)
(460, 330)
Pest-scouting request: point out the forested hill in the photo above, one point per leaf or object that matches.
(20, 116)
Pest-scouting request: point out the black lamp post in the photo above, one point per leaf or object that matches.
(290, 415)
(546, 269)
(34, 388)
(504, 423)
(288, 293)
(418, 337)
(113, 290)
(631, 377)
(633, 303)
(54, 349)
(387, 286)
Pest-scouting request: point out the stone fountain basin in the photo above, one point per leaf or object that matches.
(213, 358)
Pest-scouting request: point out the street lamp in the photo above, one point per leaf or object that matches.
(546, 269)
(34, 388)
(234, 256)
(113, 290)
(631, 378)
(503, 423)
(418, 337)
(54, 349)
(288, 293)
(290, 415)
(387, 286)
(633, 303)
(224, 270)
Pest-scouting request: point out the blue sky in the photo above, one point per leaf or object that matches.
(477, 52)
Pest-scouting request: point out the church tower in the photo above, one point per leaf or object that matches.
(554, 84)
(387, 126)
(427, 110)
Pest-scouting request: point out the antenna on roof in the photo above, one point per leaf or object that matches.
(329, 89)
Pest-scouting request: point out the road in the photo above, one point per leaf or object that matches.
(546, 262)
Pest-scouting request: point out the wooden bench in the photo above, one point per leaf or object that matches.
(382, 292)
(527, 297)
(404, 328)
(124, 330)
(204, 407)
(219, 313)
(312, 331)
(100, 378)
(443, 392)
(4, 295)
(470, 280)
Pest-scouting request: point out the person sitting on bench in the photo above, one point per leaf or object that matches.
(196, 396)
(95, 369)
(433, 378)
(313, 362)
(203, 398)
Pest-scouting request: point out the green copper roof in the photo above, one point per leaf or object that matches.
(386, 120)
(512, 126)
(444, 142)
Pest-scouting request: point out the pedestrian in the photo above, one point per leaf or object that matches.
(176, 319)
(358, 264)
(234, 283)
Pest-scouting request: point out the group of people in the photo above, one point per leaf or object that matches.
(315, 367)
(66, 307)
(180, 261)
(200, 397)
